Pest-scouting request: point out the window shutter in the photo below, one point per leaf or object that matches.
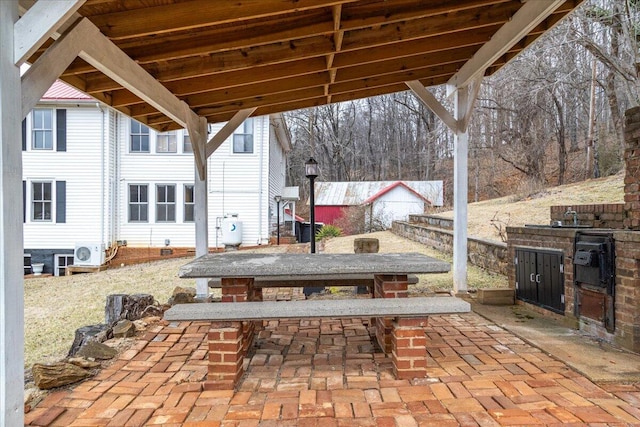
(24, 201)
(61, 201)
(24, 134)
(61, 130)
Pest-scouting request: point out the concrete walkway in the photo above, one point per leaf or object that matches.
(328, 373)
(593, 358)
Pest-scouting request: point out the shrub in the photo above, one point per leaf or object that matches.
(328, 231)
(352, 220)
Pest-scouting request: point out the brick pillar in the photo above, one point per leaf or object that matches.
(632, 169)
(226, 355)
(409, 348)
(388, 286)
(237, 289)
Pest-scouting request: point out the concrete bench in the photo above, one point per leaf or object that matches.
(400, 324)
(311, 281)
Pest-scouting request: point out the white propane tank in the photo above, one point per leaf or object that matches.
(231, 230)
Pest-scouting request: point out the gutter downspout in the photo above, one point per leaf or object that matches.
(260, 195)
(102, 177)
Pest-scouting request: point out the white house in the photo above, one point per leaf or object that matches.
(94, 177)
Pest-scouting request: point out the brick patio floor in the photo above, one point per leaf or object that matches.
(328, 373)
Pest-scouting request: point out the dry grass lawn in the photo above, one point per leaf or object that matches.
(56, 306)
(521, 209)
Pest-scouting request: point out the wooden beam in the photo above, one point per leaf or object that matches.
(44, 72)
(108, 58)
(271, 72)
(523, 21)
(198, 135)
(39, 23)
(227, 130)
(434, 105)
(196, 14)
(371, 14)
(474, 89)
(243, 93)
(321, 45)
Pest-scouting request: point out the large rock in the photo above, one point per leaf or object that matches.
(130, 307)
(83, 363)
(124, 329)
(97, 351)
(57, 375)
(183, 296)
(98, 333)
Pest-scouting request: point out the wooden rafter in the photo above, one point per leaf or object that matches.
(221, 57)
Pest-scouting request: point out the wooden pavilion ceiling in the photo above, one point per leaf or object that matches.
(221, 56)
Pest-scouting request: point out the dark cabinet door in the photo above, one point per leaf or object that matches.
(540, 278)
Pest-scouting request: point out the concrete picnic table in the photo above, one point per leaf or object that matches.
(387, 274)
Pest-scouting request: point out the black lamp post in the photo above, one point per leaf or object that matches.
(311, 171)
(278, 199)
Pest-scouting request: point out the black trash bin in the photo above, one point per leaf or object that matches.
(305, 231)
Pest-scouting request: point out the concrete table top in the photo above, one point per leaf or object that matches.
(238, 264)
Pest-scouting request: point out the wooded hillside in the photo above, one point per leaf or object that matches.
(553, 115)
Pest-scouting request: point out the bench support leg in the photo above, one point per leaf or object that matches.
(227, 348)
(388, 286)
(409, 347)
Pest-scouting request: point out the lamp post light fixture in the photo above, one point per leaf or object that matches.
(278, 199)
(311, 172)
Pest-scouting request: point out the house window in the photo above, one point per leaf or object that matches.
(42, 129)
(138, 203)
(186, 144)
(165, 203)
(189, 203)
(167, 142)
(139, 138)
(243, 138)
(62, 261)
(41, 201)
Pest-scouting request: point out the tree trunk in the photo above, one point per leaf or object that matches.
(130, 307)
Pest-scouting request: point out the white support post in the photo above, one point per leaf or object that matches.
(460, 186)
(201, 197)
(11, 243)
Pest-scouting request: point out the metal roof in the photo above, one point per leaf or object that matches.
(356, 193)
(61, 91)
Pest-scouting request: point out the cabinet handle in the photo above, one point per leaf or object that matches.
(531, 279)
(537, 278)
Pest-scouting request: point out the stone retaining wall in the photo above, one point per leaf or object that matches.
(486, 254)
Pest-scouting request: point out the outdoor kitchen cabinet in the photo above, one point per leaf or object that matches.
(540, 278)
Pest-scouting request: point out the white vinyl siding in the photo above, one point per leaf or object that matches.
(98, 168)
(82, 168)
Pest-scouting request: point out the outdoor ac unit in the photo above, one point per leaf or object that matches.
(88, 254)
